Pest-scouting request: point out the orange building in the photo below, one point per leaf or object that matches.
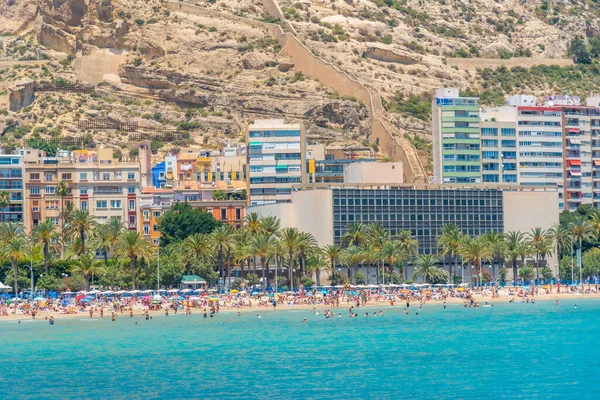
(187, 162)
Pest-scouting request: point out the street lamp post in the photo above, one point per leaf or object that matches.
(158, 266)
(31, 269)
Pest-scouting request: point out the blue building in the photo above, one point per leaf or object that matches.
(159, 175)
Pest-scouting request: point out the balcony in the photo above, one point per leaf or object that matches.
(107, 191)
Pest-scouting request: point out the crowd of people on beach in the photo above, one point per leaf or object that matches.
(130, 305)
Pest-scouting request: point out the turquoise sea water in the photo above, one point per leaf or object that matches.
(509, 351)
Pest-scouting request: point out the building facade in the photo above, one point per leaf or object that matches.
(98, 183)
(276, 160)
(11, 186)
(456, 138)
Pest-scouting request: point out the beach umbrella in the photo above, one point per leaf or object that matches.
(172, 290)
(186, 291)
(235, 291)
(133, 291)
(39, 299)
(157, 297)
(161, 290)
(146, 291)
(68, 293)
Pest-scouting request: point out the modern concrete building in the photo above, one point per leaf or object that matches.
(97, 181)
(11, 183)
(276, 160)
(456, 138)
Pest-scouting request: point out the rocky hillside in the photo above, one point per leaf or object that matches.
(207, 73)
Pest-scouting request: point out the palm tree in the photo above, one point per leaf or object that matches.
(62, 190)
(354, 235)
(408, 246)
(474, 251)
(306, 245)
(222, 240)
(80, 222)
(581, 230)
(107, 235)
(133, 246)
(290, 240)
(4, 202)
(87, 266)
(390, 253)
(316, 263)
(252, 223)
(352, 256)
(541, 245)
(333, 252)
(14, 249)
(45, 235)
(497, 245)
(197, 247)
(426, 267)
(449, 243)
(514, 241)
(262, 248)
(269, 225)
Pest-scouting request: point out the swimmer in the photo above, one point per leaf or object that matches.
(445, 305)
(532, 301)
(136, 322)
(374, 314)
(366, 314)
(340, 315)
(166, 312)
(239, 314)
(258, 316)
(304, 320)
(380, 313)
(51, 320)
(417, 313)
(557, 303)
(405, 312)
(575, 305)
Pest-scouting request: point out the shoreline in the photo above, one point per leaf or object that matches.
(140, 311)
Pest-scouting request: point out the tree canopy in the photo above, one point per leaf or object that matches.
(182, 221)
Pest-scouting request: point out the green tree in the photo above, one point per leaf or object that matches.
(222, 241)
(541, 244)
(45, 235)
(4, 202)
(14, 249)
(197, 248)
(474, 251)
(426, 268)
(106, 236)
(578, 51)
(317, 264)
(449, 242)
(78, 226)
(527, 273)
(62, 190)
(354, 234)
(87, 266)
(290, 240)
(182, 221)
(133, 246)
(352, 256)
(333, 252)
(514, 242)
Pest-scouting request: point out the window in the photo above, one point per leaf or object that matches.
(50, 189)
(83, 176)
(115, 204)
(131, 190)
(83, 190)
(34, 177)
(223, 214)
(51, 204)
(131, 176)
(54, 220)
(35, 206)
(155, 241)
(156, 214)
(101, 204)
(238, 213)
(132, 220)
(155, 227)
(106, 176)
(66, 177)
(84, 205)
(132, 204)
(118, 175)
(34, 190)
(507, 131)
(49, 176)
(146, 230)
(146, 214)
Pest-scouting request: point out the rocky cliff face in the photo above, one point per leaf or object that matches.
(210, 72)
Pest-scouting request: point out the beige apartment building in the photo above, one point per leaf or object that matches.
(98, 182)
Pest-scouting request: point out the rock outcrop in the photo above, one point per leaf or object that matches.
(57, 39)
(21, 95)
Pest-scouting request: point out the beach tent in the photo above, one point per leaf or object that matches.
(147, 291)
(4, 287)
